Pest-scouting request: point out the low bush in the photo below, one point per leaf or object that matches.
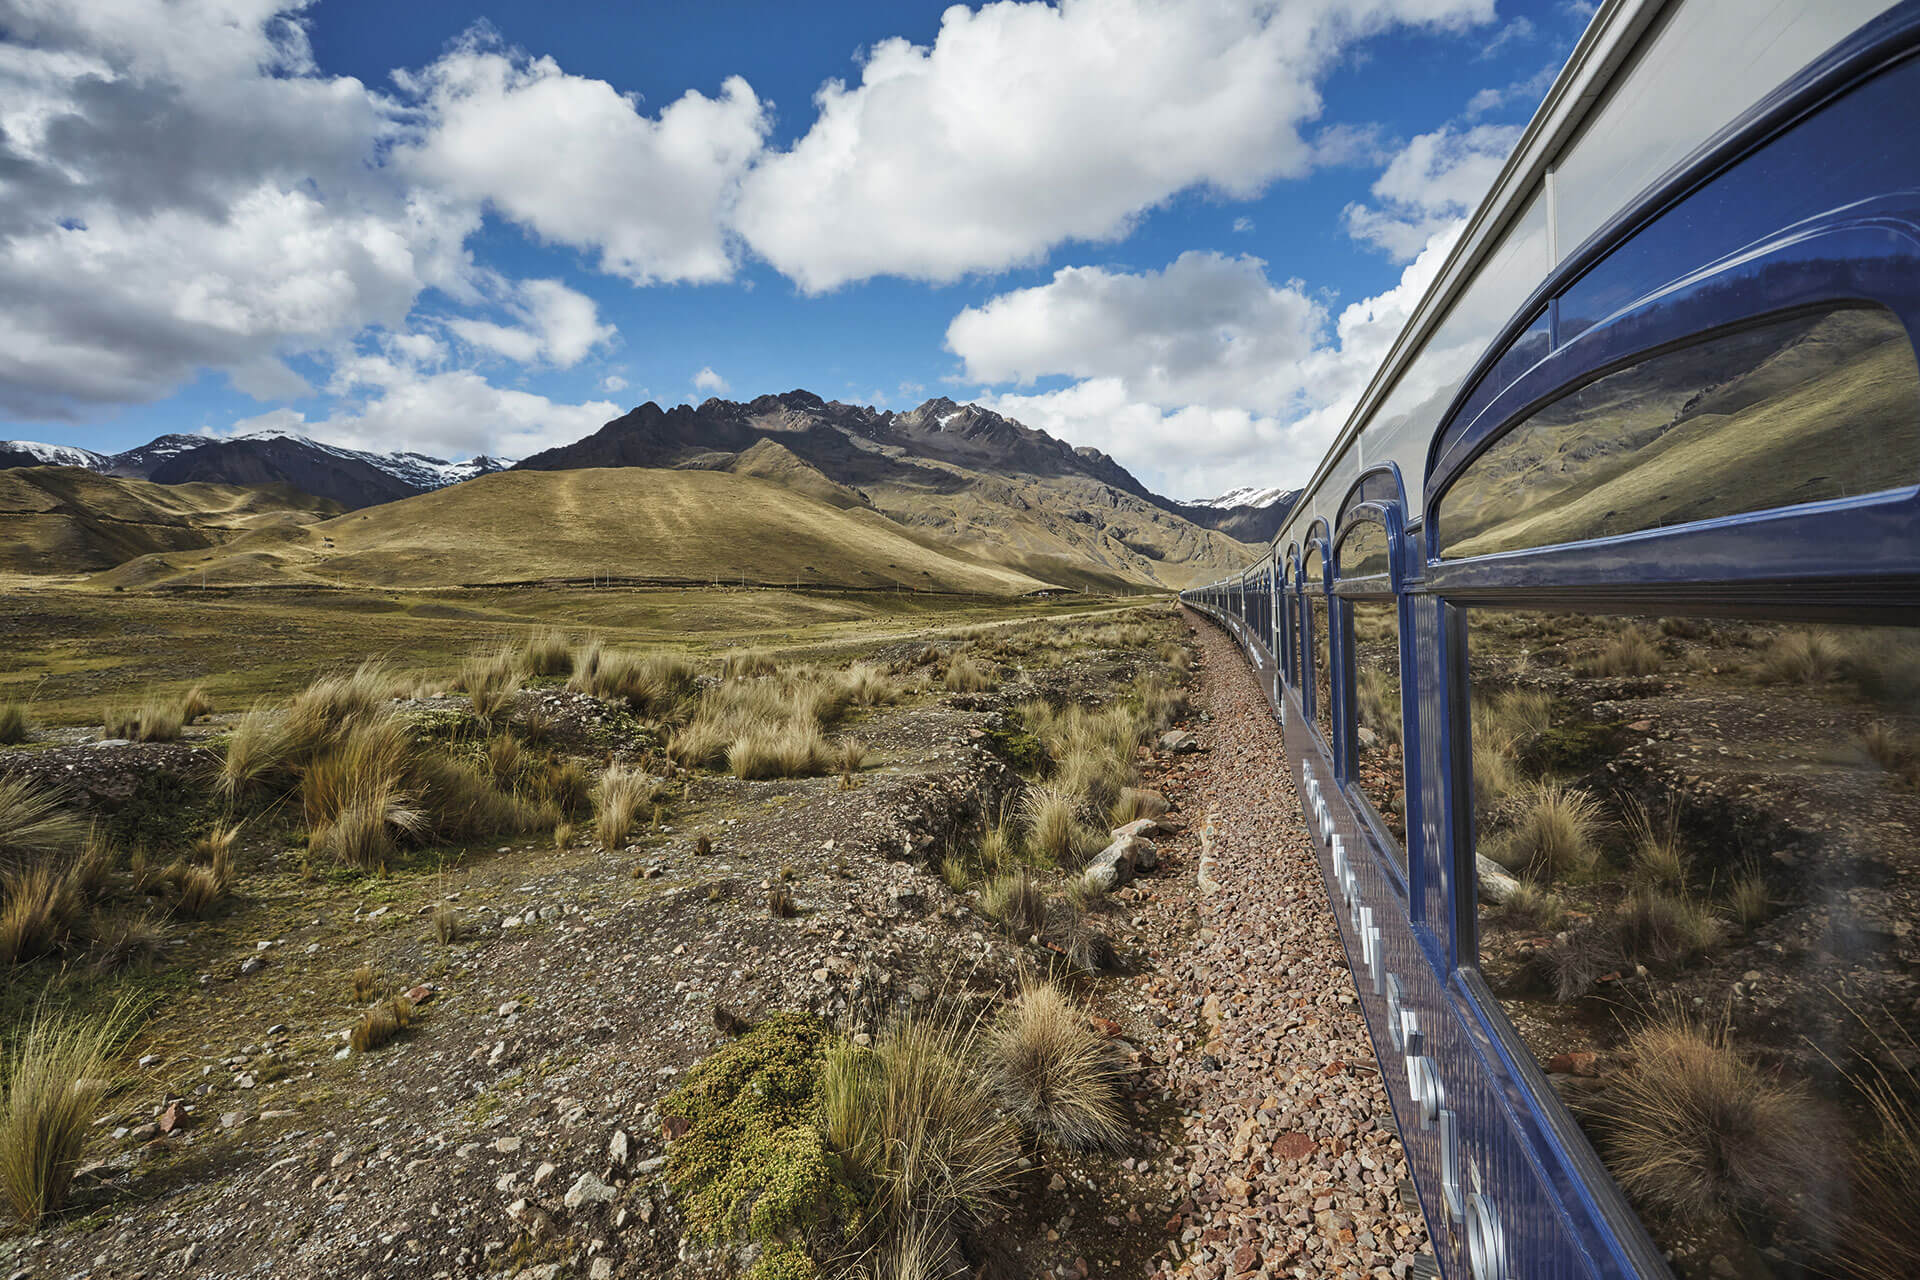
(1631, 653)
(1800, 657)
(914, 1122)
(964, 675)
(34, 822)
(1054, 829)
(38, 909)
(1695, 1129)
(1556, 834)
(1016, 902)
(618, 798)
(57, 1072)
(1054, 1073)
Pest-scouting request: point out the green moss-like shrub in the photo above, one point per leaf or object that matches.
(753, 1162)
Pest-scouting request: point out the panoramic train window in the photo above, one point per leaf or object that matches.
(1798, 410)
(1700, 909)
(1320, 655)
(1363, 551)
(1376, 694)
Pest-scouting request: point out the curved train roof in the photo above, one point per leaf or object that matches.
(1649, 83)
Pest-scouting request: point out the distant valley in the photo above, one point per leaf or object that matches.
(795, 489)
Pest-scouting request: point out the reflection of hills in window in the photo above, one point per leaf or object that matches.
(1800, 410)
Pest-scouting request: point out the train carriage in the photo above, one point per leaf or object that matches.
(1595, 641)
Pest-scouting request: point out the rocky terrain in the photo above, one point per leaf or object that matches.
(515, 1128)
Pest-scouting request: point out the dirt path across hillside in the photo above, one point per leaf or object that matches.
(1292, 1164)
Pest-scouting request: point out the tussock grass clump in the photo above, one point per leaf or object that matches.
(1378, 695)
(1668, 928)
(1135, 804)
(780, 903)
(1749, 899)
(1694, 1128)
(34, 823)
(257, 752)
(1659, 858)
(564, 784)
(1801, 657)
(1054, 829)
(546, 652)
(1531, 907)
(1631, 653)
(964, 675)
(999, 846)
(506, 759)
(124, 941)
(869, 685)
(743, 664)
(366, 984)
(154, 720)
(16, 723)
(791, 750)
(1878, 1242)
(1016, 902)
(618, 798)
(849, 755)
(381, 1024)
(1557, 833)
(356, 797)
(1054, 1072)
(446, 924)
(195, 704)
(38, 908)
(57, 1072)
(321, 713)
(197, 891)
(655, 685)
(914, 1121)
(1160, 703)
(954, 873)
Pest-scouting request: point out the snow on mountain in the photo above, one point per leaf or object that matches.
(31, 453)
(1245, 496)
(417, 469)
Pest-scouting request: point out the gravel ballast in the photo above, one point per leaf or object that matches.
(1293, 1165)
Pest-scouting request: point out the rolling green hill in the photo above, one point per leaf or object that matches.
(628, 522)
(68, 520)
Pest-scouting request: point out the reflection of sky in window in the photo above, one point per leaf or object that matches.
(1708, 61)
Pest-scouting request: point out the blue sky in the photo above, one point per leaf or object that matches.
(1182, 231)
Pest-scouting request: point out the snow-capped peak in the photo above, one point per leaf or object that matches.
(55, 455)
(417, 469)
(1245, 496)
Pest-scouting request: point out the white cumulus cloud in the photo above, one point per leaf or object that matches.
(576, 162)
(1176, 373)
(1025, 125)
(558, 326)
(1435, 180)
(710, 382)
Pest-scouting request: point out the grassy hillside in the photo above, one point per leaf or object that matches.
(625, 522)
(66, 520)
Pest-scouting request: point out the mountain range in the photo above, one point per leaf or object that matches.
(954, 477)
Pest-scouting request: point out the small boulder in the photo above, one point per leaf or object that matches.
(1179, 741)
(1140, 827)
(1114, 865)
(1496, 886)
(174, 1117)
(587, 1190)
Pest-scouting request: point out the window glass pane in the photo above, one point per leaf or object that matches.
(1363, 550)
(1376, 692)
(1710, 62)
(1322, 667)
(1708, 940)
(1813, 407)
(1401, 429)
(1311, 569)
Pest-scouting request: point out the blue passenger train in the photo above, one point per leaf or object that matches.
(1595, 640)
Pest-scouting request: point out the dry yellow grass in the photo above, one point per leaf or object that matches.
(618, 798)
(1695, 1129)
(1054, 1072)
(34, 822)
(57, 1072)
